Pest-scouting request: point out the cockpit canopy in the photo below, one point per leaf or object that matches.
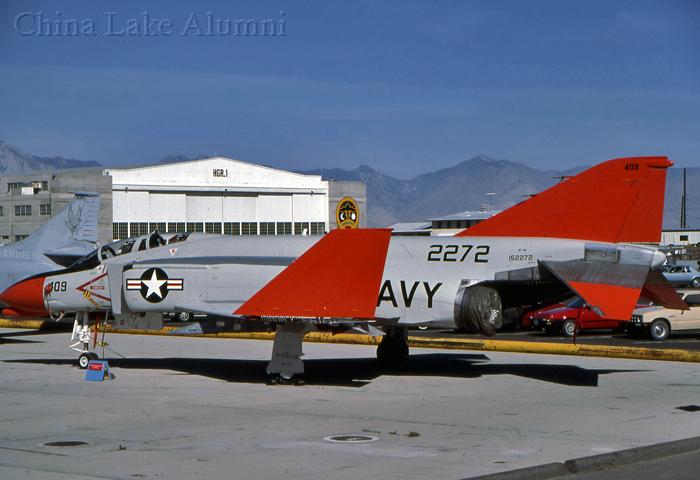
(128, 245)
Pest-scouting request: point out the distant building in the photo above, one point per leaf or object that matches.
(215, 195)
(442, 226)
(680, 237)
(411, 229)
(456, 222)
(28, 200)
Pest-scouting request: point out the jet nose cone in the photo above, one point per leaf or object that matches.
(658, 259)
(26, 297)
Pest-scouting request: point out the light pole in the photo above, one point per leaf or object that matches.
(491, 195)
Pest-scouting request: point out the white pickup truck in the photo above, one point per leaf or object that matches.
(659, 322)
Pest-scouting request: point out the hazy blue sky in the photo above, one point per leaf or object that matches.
(403, 86)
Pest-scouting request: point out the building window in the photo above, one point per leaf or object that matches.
(194, 227)
(301, 228)
(19, 238)
(23, 210)
(14, 187)
(138, 228)
(153, 226)
(318, 228)
(232, 228)
(684, 238)
(267, 228)
(120, 230)
(176, 227)
(249, 228)
(284, 228)
(45, 209)
(40, 186)
(212, 227)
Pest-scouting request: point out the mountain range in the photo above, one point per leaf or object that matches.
(484, 183)
(13, 160)
(478, 183)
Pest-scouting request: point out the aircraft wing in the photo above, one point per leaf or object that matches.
(338, 277)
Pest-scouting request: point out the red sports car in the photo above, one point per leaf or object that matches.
(562, 318)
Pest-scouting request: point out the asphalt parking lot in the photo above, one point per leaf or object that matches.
(199, 408)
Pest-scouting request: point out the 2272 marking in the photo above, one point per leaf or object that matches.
(458, 253)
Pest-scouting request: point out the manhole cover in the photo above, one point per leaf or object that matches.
(350, 438)
(66, 443)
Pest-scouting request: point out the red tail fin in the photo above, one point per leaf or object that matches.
(620, 200)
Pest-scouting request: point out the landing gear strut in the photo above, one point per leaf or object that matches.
(287, 351)
(393, 350)
(82, 337)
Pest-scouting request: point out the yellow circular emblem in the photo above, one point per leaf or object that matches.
(347, 214)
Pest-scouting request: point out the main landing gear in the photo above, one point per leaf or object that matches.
(286, 366)
(392, 352)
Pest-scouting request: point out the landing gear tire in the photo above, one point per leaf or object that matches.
(659, 330)
(392, 352)
(568, 328)
(84, 359)
(281, 379)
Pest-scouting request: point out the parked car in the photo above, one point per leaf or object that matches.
(659, 322)
(527, 319)
(683, 275)
(561, 318)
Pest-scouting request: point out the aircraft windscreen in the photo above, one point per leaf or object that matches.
(90, 260)
(178, 237)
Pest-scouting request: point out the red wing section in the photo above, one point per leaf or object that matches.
(661, 292)
(338, 277)
(616, 201)
(611, 288)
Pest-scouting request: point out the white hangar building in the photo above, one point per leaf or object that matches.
(214, 195)
(220, 195)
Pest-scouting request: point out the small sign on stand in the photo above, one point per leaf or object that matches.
(98, 371)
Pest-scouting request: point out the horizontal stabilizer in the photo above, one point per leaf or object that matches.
(616, 201)
(661, 292)
(611, 289)
(338, 277)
